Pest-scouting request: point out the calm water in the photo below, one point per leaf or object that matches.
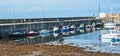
(87, 38)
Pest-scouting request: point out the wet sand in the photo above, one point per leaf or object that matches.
(8, 48)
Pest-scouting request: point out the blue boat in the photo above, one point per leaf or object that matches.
(64, 29)
(17, 33)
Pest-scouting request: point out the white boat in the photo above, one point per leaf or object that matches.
(56, 29)
(112, 36)
(110, 24)
(73, 29)
(55, 34)
(82, 30)
(45, 35)
(44, 31)
(88, 28)
(81, 26)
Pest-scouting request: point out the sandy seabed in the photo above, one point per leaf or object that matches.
(8, 48)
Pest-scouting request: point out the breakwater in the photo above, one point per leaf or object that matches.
(36, 24)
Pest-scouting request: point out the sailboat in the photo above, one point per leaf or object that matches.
(16, 32)
(110, 22)
(31, 32)
(65, 30)
(73, 29)
(43, 31)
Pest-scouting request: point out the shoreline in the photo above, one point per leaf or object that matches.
(22, 49)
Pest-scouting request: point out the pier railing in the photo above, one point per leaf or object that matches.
(7, 24)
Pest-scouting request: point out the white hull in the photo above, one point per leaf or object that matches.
(107, 36)
(110, 24)
(106, 40)
(44, 31)
(55, 29)
(111, 36)
(55, 34)
(73, 32)
(73, 29)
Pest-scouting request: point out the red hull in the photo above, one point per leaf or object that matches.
(73, 29)
(31, 34)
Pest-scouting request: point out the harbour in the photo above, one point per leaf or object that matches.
(27, 25)
(59, 28)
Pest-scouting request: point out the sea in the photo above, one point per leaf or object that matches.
(90, 39)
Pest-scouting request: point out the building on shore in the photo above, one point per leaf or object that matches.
(107, 16)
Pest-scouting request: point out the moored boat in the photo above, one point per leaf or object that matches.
(56, 29)
(44, 31)
(112, 36)
(17, 33)
(73, 28)
(32, 33)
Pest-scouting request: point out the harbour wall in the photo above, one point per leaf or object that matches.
(36, 24)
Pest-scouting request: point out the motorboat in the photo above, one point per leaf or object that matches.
(110, 24)
(112, 36)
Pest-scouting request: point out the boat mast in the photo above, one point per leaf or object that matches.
(99, 9)
(42, 12)
(111, 14)
(99, 18)
(30, 21)
(13, 20)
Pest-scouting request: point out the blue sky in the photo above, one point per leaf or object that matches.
(56, 8)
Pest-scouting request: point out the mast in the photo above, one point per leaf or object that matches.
(30, 21)
(13, 20)
(99, 9)
(111, 14)
(42, 12)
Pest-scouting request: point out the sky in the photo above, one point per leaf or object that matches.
(56, 8)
